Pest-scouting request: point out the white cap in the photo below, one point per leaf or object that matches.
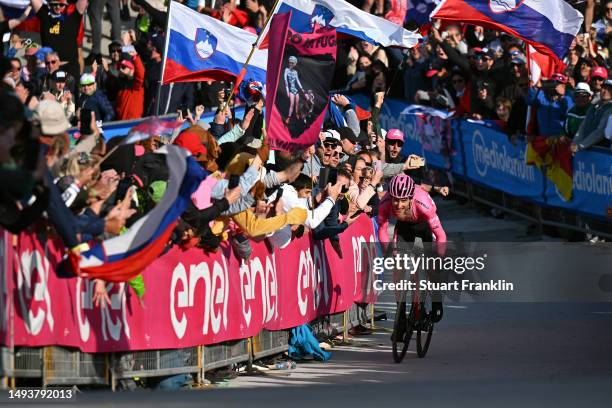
(332, 134)
(52, 117)
(583, 87)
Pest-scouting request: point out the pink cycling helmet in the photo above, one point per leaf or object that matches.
(401, 186)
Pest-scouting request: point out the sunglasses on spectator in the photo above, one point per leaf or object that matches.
(338, 154)
(59, 5)
(598, 79)
(115, 50)
(51, 62)
(362, 178)
(329, 145)
(608, 9)
(395, 143)
(458, 81)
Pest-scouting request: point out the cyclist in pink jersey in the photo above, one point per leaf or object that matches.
(408, 203)
(416, 215)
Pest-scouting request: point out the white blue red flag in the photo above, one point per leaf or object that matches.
(199, 47)
(123, 257)
(549, 25)
(151, 127)
(346, 19)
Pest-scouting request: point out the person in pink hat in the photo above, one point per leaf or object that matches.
(598, 76)
(394, 141)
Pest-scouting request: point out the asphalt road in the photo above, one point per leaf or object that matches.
(497, 355)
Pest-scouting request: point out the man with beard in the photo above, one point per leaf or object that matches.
(130, 98)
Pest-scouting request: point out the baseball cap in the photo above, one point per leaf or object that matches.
(599, 72)
(583, 87)
(127, 63)
(395, 134)
(52, 117)
(485, 51)
(562, 79)
(348, 134)
(191, 141)
(87, 79)
(59, 76)
(158, 42)
(332, 135)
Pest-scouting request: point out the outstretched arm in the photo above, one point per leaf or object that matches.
(81, 6)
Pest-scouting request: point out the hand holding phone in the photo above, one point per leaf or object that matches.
(414, 162)
(128, 49)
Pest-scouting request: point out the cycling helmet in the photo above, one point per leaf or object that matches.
(401, 186)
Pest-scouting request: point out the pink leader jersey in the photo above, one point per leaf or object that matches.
(423, 210)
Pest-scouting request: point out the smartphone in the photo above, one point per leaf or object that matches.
(185, 112)
(85, 118)
(416, 162)
(234, 181)
(122, 189)
(327, 176)
(377, 165)
(128, 48)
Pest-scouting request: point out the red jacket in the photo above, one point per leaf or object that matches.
(130, 101)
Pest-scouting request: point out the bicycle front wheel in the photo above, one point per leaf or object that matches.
(402, 333)
(424, 333)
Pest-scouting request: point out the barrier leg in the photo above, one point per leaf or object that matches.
(372, 315)
(113, 374)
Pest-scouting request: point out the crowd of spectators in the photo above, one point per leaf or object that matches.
(48, 86)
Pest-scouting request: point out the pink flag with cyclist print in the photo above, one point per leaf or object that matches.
(299, 80)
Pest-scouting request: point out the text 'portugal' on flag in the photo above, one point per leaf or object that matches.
(298, 78)
(550, 26)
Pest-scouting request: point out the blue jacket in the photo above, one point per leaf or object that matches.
(98, 103)
(551, 114)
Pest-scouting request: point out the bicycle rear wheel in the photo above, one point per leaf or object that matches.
(402, 333)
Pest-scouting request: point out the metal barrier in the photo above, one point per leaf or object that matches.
(28, 362)
(224, 354)
(71, 366)
(268, 343)
(155, 363)
(550, 216)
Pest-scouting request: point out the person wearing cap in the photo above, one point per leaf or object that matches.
(52, 65)
(60, 25)
(348, 140)
(62, 93)
(94, 99)
(592, 130)
(130, 98)
(575, 116)
(328, 140)
(598, 76)
(394, 141)
(552, 105)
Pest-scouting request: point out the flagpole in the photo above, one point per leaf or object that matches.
(254, 46)
(159, 88)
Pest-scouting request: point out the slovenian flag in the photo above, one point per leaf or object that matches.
(346, 19)
(123, 257)
(200, 48)
(550, 26)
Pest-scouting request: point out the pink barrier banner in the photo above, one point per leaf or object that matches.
(192, 298)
